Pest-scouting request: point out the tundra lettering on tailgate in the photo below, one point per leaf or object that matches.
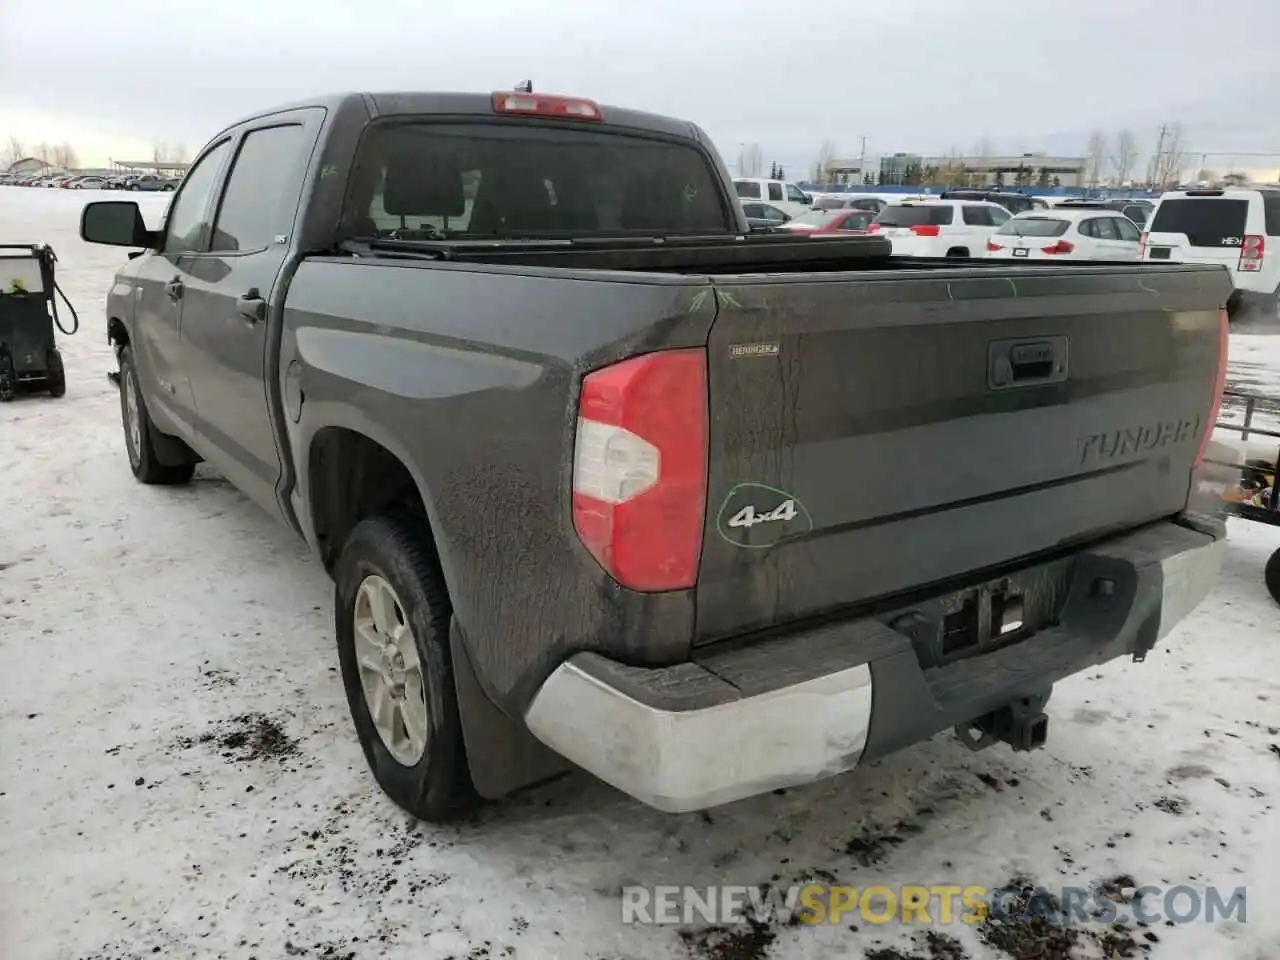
(1143, 438)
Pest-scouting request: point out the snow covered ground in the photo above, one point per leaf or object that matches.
(178, 777)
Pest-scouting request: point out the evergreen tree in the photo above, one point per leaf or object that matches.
(1043, 179)
(999, 179)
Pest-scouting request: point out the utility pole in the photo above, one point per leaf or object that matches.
(1158, 160)
(862, 157)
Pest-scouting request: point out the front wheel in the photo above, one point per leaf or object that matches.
(144, 463)
(392, 615)
(56, 377)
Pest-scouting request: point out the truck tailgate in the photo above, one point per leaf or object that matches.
(875, 433)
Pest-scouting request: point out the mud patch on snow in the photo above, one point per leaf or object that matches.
(1174, 805)
(1031, 924)
(250, 736)
(751, 942)
(937, 946)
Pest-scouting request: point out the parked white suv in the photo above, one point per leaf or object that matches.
(1066, 234)
(1237, 227)
(940, 228)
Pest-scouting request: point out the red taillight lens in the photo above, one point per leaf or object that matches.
(546, 105)
(873, 228)
(993, 247)
(1062, 246)
(1142, 245)
(640, 468)
(1219, 384)
(926, 230)
(1251, 252)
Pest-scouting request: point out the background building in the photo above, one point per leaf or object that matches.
(843, 171)
(1026, 169)
(900, 168)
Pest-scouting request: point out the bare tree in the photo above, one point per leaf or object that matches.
(752, 161)
(982, 149)
(178, 153)
(1172, 156)
(1097, 152)
(1126, 153)
(826, 153)
(65, 157)
(160, 152)
(1205, 175)
(15, 152)
(44, 153)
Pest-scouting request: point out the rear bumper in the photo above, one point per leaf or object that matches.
(791, 710)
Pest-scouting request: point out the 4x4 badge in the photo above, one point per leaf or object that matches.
(756, 516)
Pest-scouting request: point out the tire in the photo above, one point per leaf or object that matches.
(8, 376)
(396, 551)
(137, 424)
(56, 377)
(1271, 576)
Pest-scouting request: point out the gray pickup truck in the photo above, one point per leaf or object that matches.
(606, 480)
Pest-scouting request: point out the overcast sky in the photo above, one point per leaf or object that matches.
(925, 76)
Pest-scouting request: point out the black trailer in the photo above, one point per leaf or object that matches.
(1258, 496)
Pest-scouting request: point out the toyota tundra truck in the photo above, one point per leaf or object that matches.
(605, 480)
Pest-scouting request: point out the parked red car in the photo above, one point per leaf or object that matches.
(823, 222)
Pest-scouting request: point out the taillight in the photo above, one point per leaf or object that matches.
(640, 468)
(873, 228)
(1062, 246)
(993, 247)
(1251, 252)
(926, 230)
(1142, 245)
(1219, 385)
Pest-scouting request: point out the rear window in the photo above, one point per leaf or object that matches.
(1207, 221)
(829, 203)
(1034, 227)
(423, 180)
(747, 190)
(939, 216)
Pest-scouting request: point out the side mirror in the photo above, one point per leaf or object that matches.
(117, 223)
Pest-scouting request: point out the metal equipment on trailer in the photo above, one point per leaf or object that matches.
(1258, 497)
(29, 355)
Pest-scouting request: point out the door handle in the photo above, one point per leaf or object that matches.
(174, 288)
(251, 306)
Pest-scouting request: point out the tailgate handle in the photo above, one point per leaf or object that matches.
(1024, 363)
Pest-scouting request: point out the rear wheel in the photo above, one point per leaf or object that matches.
(392, 615)
(1272, 575)
(56, 375)
(144, 463)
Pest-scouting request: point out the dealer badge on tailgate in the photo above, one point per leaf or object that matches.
(756, 515)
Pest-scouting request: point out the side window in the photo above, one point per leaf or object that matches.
(753, 210)
(1127, 230)
(998, 215)
(794, 193)
(1089, 228)
(1271, 204)
(1107, 228)
(747, 190)
(1136, 214)
(261, 195)
(976, 216)
(775, 192)
(185, 228)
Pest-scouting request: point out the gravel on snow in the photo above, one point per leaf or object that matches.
(178, 776)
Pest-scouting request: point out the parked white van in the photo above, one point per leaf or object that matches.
(787, 197)
(1238, 227)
